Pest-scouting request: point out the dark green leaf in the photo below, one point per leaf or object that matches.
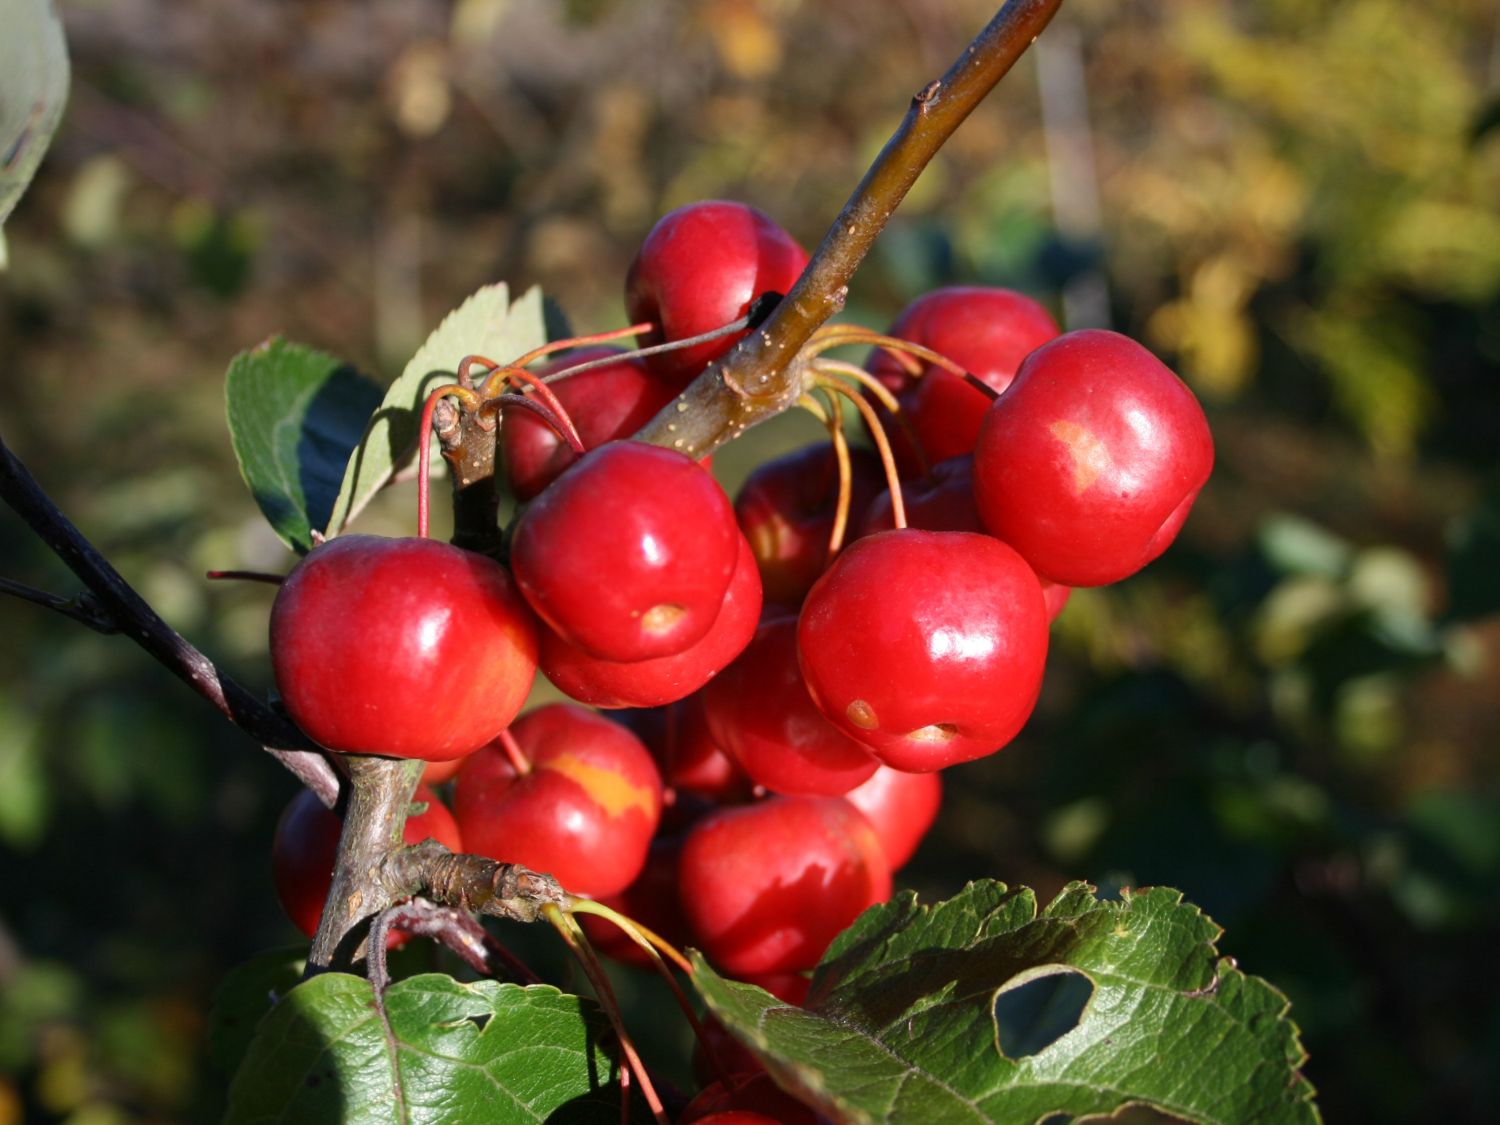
(450, 1052)
(294, 415)
(487, 324)
(244, 998)
(900, 1024)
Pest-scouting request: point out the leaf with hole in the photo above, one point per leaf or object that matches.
(294, 416)
(446, 1052)
(487, 324)
(981, 1008)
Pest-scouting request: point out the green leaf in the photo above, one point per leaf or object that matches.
(33, 91)
(244, 998)
(294, 415)
(450, 1052)
(487, 324)
(900, 1024)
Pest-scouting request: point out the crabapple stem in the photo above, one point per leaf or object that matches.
(513, 753)
(886, 399)
(835, 422)
(245, 576)
(981, 386)
(562, 425)
(642, 935)
(654, 349)
(654, 945)
(578, 943)
(583, 341)
(882, 443)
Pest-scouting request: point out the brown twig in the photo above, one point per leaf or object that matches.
(115, 601)
(380, 791)
(762, 376)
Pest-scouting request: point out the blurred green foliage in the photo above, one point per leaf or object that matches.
(1290, 716)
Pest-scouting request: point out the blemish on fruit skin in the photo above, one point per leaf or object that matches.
(1090, 455)
(613, 793)
(662, 618)
(862, 715)
(934, 732)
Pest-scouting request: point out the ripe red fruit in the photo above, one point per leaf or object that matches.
(986, 331)
(767, 886)
(306, 846)
(664, 679)
(759, 712)
(700, 268)
(786, 509)
(1089, 463)
(690, 760)
(927, 646)
(410, 648)
(944, 501)
(941, 501)
(900, 807)
(629, 553)
(605, 403)
(584, 811)
(755, 1102)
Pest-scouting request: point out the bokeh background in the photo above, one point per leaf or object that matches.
(1291, 716)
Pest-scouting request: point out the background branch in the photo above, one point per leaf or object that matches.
(114, 601)
(759, 378)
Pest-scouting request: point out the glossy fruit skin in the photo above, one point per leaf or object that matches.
(767, 886)
(786, 509)
(629, 553)
(985, 330)
(664, 679)
(755, 1102)
(927, 646)
(944, 501)
(901, 807)
(1089, 463)
(701, 267)
(691, 763)
(605, 403)
(586, 810)
(306, 845)
(366, 634)
(759, 712)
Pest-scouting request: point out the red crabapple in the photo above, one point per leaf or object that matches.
(1088, 464)
(409, 648)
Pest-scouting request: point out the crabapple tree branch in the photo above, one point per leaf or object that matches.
(762, 375)
(113, 606)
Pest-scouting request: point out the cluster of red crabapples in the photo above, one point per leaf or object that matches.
(783, 675)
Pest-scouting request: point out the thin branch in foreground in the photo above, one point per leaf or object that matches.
(116, 600)
(82, 609)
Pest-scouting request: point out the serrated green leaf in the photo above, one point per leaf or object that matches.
(487, 324)
(33, 91)
(244, 998)
(452, 1052)
(900, 1024)
(294, 415)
